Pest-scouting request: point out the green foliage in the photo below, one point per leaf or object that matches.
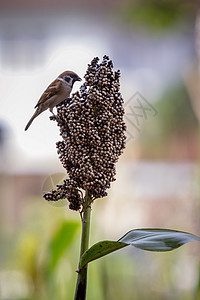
(100, 249)
(159, 14)
(125, 270)
(198, 285)
(175, 118)
(44, 251)
(157, 239)
(151, 239)
(175, 111)
(60, 242)
(56, 262)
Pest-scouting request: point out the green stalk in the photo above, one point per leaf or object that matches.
(81, 284)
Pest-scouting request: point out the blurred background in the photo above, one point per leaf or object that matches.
(156, 45)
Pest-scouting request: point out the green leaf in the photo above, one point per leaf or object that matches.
(151, 239)
(61, 241)
(98, 250)
(154, 239)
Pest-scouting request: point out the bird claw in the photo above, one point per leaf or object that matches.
(53, 117)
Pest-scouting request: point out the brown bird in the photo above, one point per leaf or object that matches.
(56, 92)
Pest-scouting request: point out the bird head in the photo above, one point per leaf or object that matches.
(70, 77)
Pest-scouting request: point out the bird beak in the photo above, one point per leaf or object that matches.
(79, 79)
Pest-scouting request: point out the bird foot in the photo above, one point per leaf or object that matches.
(53, 117)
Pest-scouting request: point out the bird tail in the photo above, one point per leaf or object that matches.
(32, 118)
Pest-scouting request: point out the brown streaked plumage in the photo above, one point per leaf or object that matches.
(55, 93)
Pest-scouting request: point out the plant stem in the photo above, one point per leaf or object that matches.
(81, 284)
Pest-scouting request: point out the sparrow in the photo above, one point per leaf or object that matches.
(55, 93)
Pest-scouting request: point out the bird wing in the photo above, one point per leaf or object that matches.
(51, 91)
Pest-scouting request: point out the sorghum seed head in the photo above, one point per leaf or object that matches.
(93, 132)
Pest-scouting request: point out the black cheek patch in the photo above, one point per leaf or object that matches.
(67, 79)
